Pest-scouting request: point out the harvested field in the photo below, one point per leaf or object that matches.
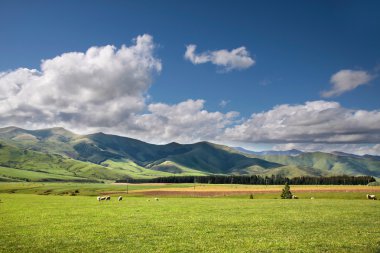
(231, 190)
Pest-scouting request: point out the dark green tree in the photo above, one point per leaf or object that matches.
(286, 193)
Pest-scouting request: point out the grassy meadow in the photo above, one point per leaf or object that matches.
(33, 220)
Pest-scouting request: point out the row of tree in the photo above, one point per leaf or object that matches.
(259, 180)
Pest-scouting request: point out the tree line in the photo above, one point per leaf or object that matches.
(259, 180)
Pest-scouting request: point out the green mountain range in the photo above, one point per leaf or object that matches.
(57, 154)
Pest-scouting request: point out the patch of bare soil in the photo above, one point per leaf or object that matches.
(224, 191)
(150, 184)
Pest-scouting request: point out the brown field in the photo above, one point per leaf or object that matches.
(206, 190)
(148, 184)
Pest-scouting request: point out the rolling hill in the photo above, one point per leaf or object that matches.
(100, 147)
(99, 156)
(120, 157)
(331, 164)
(21, 164)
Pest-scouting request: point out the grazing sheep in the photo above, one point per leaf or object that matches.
(120, 198)
(312, 198)
(371, 196)
(108, 198)
(294, 197)
(100, 198)
(156, 199)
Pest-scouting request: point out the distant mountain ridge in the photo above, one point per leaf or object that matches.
(135, 157)
(117, 157)
(291, 152)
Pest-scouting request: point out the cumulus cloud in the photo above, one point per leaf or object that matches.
(346, 80)
(184, 122)
(100, 87)
(105, 89)
(312, 122)
(237, 58)
(12, 82)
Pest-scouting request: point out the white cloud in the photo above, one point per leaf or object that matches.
(12, 82)
(184, 122)
(346, 80)
(105, 89)
(224, 103)
(312, 122)
(238, 58)
(101, 87)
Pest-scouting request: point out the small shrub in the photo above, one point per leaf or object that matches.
(286, 193)
(251, 196)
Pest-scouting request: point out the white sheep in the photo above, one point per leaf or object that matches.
(156, 199)
(100, 198)
(120, 198)
(294, 197)
(371, 196)
(108, 198)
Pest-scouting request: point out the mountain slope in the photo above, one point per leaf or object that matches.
(105, 146)
(53, 166)
(331, 164)
(53, 140)
(97, 148)
(291, 152)
(114, 157)
(212, 158)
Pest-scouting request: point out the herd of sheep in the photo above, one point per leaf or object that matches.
(120, 198)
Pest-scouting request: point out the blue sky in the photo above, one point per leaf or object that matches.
(296, 47)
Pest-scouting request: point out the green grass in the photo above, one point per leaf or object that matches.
(85, 189)
(34, 223)
(22, 175)
(29, 165)
(131, 169)
(177, 169)
(308, 196)
(330, 164)
(28, 160)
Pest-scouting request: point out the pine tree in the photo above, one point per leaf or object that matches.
(286, 193)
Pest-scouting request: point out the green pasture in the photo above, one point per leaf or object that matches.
(96, 189)
(86, 189)
(21, 175)
(37, 223)
(133, 170)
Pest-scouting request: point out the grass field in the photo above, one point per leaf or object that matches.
(17, 174)
(51, 223)
(88, 189)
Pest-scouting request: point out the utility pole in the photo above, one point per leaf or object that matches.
(127, 185)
